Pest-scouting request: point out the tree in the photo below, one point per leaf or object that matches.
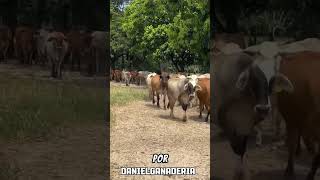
(171, 32)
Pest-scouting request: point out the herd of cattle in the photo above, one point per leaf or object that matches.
(271, 78)
(187, 90)
(47, 46)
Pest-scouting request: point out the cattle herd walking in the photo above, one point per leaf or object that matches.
(186, 90)
(47, 46)
(269, 78)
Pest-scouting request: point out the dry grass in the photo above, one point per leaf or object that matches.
(32, 108)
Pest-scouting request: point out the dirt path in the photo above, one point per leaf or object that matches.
(77, 153)
(142, 129)
(265, 163)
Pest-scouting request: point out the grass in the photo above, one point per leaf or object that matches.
(123, 95)
(31, 108)
(120, 96)
(9, 170)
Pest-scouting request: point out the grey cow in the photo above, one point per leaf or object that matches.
(241, 90)
(182, 90)
(56, 49)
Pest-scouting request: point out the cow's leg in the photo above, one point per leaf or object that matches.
(158, 99)
(5, 53)
(71, 61)
(310, 145)
(79, 63)
(314, 168)
(59, 70)
(153, 101)
(97, 62)
(201, 109)
(164, 101)
(258, 130)
(208, 109)
(292, 141)
(52, 70)
(185, 117)
(172, 103)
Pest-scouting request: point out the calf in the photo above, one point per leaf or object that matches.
(5, 39)
(134, 77)
(148, 82)
(56, 49)
(117, 75)
(126, 76)
(75, 44)
(156, 88)
(159, 85)
(24, 42)
(203, 92)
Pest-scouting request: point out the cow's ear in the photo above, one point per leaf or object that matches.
(186, 87)
(197, 88)
(282, 83)
(243, 80)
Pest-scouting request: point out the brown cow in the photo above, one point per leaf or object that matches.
(301, 108)
(75, 44)
(79, 48)
(159, 85)
(134, 77)
(156, 88)
(24, 43)
(5, 39)
(117, 75)
(203, 92)
(56, 49)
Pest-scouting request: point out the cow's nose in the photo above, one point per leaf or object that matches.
(262, 109)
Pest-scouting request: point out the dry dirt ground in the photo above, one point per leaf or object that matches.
(141, 129)
(265, 163)
(76, 153)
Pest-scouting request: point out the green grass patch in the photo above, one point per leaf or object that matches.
(124, 95)
(31, 108)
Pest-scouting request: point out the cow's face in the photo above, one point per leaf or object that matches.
(190, 90)
(57, 41)
(164, 78)
(261, 80)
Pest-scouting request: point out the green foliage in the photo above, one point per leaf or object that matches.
(168, 32)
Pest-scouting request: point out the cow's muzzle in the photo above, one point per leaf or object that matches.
(262, 110)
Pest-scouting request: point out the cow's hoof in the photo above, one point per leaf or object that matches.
(289, 175)
(184, 119)
(200, 116)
